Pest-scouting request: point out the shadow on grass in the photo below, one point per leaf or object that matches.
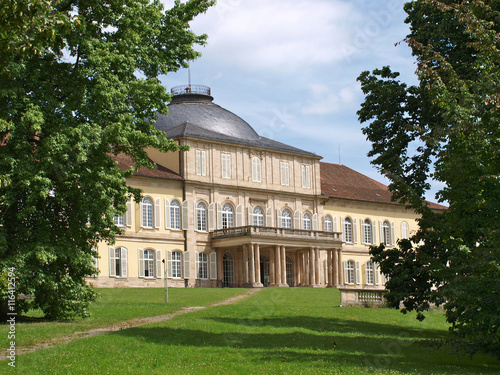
(333, 342)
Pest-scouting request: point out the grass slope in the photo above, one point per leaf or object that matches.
(276, 331)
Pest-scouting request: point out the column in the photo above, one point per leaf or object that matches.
(272, 268)
(339, 267)
(277, 258)
(335, 268)
(318, 267)
(245, 264)
(252, 265)
(312, 271)
(306, 268)
(257, 264)
(329, 267)
(283, 266)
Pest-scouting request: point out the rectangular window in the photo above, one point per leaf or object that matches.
(285, 177)
(202, 266)
(119, 220)
(256, 170)
(226, 165)
(370, 277)
(201, 162)
(176, 264)
(306, 176)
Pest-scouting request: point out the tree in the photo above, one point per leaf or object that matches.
(79, 83)
(446, 128)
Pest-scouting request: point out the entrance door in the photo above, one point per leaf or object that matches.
(228, 268)
(265, 278)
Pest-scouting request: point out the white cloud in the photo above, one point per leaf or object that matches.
(323, 101)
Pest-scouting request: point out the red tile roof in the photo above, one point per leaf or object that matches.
(125, 162)
(339, 181)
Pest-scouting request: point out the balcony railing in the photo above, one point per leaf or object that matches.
(274, 232)
(190, 89)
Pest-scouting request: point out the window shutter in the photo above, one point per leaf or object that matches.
(381, 226)
(346, 273)
(141, 263)
(358, 273)
(112, 268)
(250, 215)
(124, 262)
(157, 212)
(187, 265)
(342, 228)
(355, 230)
(219, 216)
(158, 264)
(374, 232)
(185, 215)
(169, 264)
(213, 266)
(376, 271)
(239, 216)
(197, 264)
(315, 221)
(393, 233)
(366, 271)
(211, 217)
(167, 214)
(279, 218)
(334, 224)
(142, 214)
(269, 217)
(128, 214)
(198, 162)
(296, 220)
(203, 163)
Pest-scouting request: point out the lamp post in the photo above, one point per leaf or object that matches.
(166, 281)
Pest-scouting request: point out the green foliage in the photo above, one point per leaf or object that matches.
(446, 128)
(79, 83)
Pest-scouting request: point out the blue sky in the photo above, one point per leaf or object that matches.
(289, 68)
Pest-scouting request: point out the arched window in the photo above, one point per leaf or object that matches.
(175, 215)
(306, 221)
(370, 275)
(147, 213)
(405, 230)
(256, 170)
(386, 231)
(176, 264)
(348, 229)
(149, 263)
(328, 224)
(286, 219)
(367, 231)
(227, 216)
(201, 217)
(258, 217)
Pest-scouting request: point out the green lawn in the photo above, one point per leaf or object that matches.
(276, 331)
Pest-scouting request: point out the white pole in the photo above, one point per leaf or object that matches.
(166, 282)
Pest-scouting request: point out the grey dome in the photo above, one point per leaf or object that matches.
(198, 110)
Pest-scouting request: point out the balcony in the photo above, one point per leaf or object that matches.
(275, 232)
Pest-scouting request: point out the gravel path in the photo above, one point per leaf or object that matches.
(124, 325)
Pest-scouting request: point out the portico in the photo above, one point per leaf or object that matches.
(278, 257)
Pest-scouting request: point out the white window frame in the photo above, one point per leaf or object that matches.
(286, 219)
(306, 222)
(256, 169)
(175, 214)
(370, 273)
(226, 165)
(350, 274)
(285, 173)
(306, 176)
(386, 233)
(405, 230)
(201, 162)
(348, 230)
(367, 231)
(227, 216)
(118, 256)
(258, 217)
(176, 265)
(202, 266)
(201, 217)
(119, 220)
(147, 214)
(328, 223)
(149, 264)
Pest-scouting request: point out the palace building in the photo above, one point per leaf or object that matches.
(241, 210)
